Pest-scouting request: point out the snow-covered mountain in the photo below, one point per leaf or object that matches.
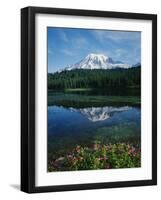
(96, 114)
(97, 61)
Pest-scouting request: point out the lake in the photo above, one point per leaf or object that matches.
(82, 117)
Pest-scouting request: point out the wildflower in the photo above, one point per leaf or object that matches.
(100, 158)
(135, 154)
(69, 157)
(105, 158)
(131, 150)
(74, 160)
(80, 158)
(107, 147)
(96, 146)
(78, 148)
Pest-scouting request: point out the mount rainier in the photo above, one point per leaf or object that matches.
(97, 61)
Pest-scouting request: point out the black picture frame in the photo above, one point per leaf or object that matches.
(28, 98)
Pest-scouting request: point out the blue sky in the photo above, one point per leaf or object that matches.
(67, 46)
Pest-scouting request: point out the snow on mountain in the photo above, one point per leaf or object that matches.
(97, 61)
(96, 114)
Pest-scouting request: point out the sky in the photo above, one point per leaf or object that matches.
(68, 46)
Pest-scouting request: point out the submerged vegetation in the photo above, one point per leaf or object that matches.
(98, 156)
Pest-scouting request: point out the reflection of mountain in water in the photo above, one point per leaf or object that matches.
(95, 114)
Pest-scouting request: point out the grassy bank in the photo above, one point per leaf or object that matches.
(78, 100)
(78, 89)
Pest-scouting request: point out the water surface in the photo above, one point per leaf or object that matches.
(74, 120)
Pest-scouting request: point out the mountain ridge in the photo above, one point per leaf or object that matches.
(97, 61)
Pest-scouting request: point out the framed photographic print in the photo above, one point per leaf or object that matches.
(88, 99)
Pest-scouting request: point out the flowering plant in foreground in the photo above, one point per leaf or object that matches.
(100, 156)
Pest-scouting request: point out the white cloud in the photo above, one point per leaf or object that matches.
(67, 52)
(130, 57)
(75, 45)
(63, 36)
(50, 51)
(120, 53)
(116, 35)
(79, 43)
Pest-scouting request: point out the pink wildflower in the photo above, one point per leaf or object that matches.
(100, 158)
(107, 147)
(69, 157)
